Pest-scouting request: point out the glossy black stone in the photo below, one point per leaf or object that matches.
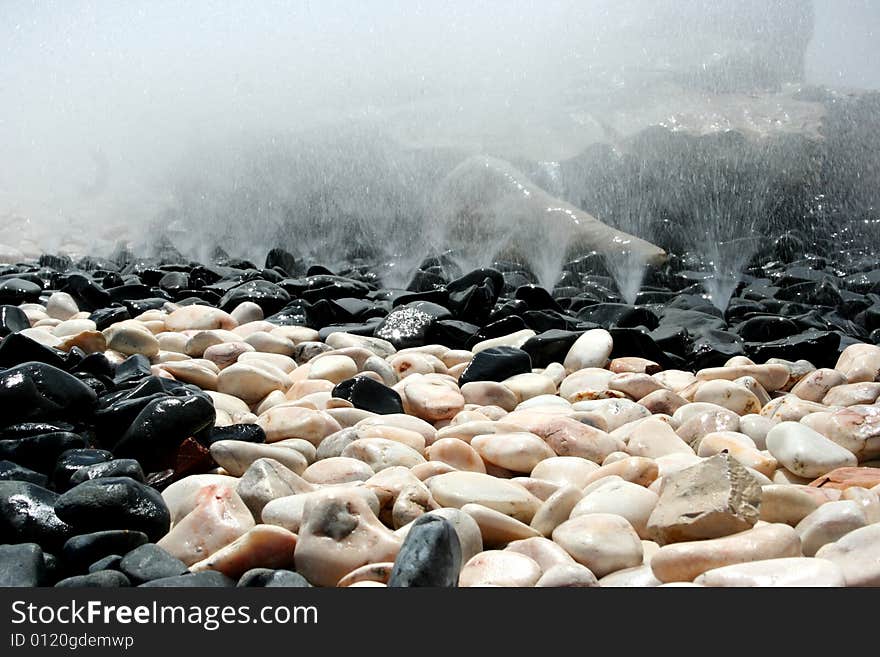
(10, 471)
(407, 326)
(110, 562)
(451, 333)
(71, 460)
(496, 364)
(89, 296)
(269, 578)
(148, 562)
(133, 368)
(12, 320)
(370, 395)
(204, 579)
(115, 468)
(429, 557)
(284, 260)
(818, 347)
(114, 503)
(104, 579)
(249, 433)
(39, 452)
(36, 391)
(15, 291)
(27, 514)
(82, 550)
(22, 565)
(162, 425)
(104, 317)
(268, 296)
(17, 349)
(550, 346)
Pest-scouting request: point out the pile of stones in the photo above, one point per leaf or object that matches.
(170, 423)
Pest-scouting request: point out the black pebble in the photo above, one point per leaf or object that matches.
(207, 578)
(370, 395)
(84, 549)
(496, 364)
(268, 578)
(27, 514)
(429, 557)
(10, 471)
(115, 468)
(105, 579)
(39, 452)
(36, 391)
(110, 562)
(72, 460)
(22, 565)
(249, 433)
(148, 562)
(114, 503)
(12, 320)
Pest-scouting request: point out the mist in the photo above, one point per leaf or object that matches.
(248, 125)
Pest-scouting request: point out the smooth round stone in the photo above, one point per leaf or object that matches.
(262, 546)
(457, 453)
(815, 385)
(636, 469)
(530, 385)
(636, 577)
(500, 568)
(279, 361)
(182, 496)
(469, 538)
(568, 437)
(208, 578)
(114, 503)
(429, 556)
(772, 377)
(496, 528)
(269, 578)
(433, 401)
(786, 572)
(131, 337)
(790, 409)
(740, 447)
(148, 562)
(288, 511)
(489, 393)
(545, 552)
(282, 422)
(404, 365)
(592, 349)
(829, 523)
(199, 318)
(856, 428)
(404, 422)
(868, 501)
(602, 542)
(693, 431)
(662, 401)
(339, 534)
(456, 489)
(540, 488)
(630, 501)
(635, 385)
(756, 427)
(467, 430)
(588, 384)
(269, 343)
(406, 437)
(61, 305)
(248, 382)
(788, 504)
(851, 394)
(857, 554)
(516, 339)
(380, 453)
(265, 480)
(73, 327)
(333, 368)
(682, 562)
(109, 579)
(230, 404)
(337, 470)
(496, 364)
(22, 565)
(519, 452)
(218, 517)
(653, 438)
(36, 391)
(565, 470)
(729, 395)
(236, 456)
(227, 353)
(805, 452)
(378, 573)
(247, 311)
(556, 509)
(571, 575)
(365, 393)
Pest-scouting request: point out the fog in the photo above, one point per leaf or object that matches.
(215, 121)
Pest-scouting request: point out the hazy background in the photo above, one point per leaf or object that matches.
(115, 113)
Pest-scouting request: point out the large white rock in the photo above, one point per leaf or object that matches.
(805, 452)
(592, 349)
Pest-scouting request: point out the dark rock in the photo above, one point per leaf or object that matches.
(249, 433)
(95, 364)
(16, 349)
(16, 291)
(174, 281)
(36, 391)
(713, 348)
(423, 281)
(206, 578)
(823, 293)
(537, 298)
(148, 562)
(818, 347)
(87, 293)
(27, 514)
(268, 296)
(12, 320)
(429, 557)
(695, 321)
(114, 503)
(546, 320)
(162, 425)
(22, 565)
(82, 550)
(472, 296)
(407, 326)
(10, 471)
(618, 314)
(864, 282)
(281, 259)
(325, 286)
(451, 333)
(110, 562)
(765, 329)
(549, 346)
(498, 328)
(370, 395)
(105, 579)
(71, 460)
(869, 318)
(115, 468)
(368, 328)
(637, 342)
(268, 578)
(133, 292)
(137, 306)
(496, 364)
(39, 452)
(104, 317)
(512, 308)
